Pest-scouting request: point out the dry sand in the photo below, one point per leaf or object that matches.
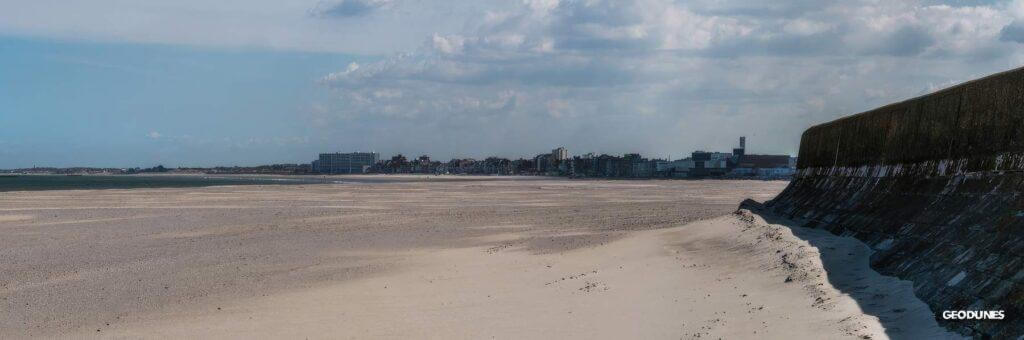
(527, 258)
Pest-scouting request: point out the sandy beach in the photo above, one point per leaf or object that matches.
(461, 257)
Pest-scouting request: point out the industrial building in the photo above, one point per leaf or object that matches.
(762, 166)
(707, 164)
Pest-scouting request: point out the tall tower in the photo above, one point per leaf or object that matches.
(740, 151)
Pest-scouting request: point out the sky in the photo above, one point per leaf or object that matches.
(125, 83)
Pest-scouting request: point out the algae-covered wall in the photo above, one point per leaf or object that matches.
(933, 184)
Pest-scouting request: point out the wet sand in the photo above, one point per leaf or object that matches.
(529, 258)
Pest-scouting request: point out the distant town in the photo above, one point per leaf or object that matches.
(700, 164)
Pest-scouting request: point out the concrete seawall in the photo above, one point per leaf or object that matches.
(933, 184)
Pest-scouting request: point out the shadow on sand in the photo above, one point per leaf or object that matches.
(846, 262)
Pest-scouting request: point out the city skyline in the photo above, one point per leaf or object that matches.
(194, 83)
(736, 164)
(678, 156)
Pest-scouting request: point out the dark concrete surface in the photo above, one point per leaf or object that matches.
(933, 184)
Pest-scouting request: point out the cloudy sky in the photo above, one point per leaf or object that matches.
(198, 83)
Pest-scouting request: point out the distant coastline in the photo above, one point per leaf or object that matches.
(39, 182)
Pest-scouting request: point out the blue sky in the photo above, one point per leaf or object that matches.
(193, 83)
(120, 104)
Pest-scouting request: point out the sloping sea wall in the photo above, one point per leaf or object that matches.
(934, 185)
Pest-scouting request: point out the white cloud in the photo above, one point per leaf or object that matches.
(346, 26)
(154, 135)
(806, 27)
(452, 44)
(1016, 8)
(628, 75)
(614, 76)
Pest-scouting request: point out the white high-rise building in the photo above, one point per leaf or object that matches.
(560, 154)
